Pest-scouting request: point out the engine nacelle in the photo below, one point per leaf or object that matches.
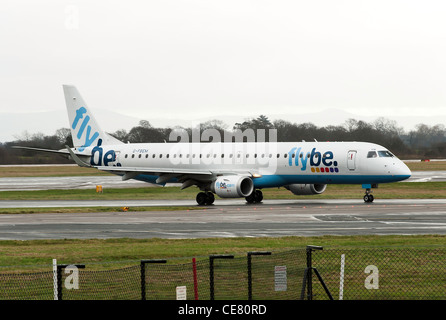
(306, 189)
(233, 186)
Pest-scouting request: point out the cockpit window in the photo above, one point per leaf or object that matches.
(385, 154)
(372, 154)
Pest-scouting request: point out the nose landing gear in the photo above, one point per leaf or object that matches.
(368, 197)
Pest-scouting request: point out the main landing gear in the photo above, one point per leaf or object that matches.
(208, 198)
(205, 198)
(255, 197)
(368, 197)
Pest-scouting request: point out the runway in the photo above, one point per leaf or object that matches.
(226, 218)
(233, 218)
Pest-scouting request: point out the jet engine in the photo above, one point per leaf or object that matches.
(233, 186)
(306, 189)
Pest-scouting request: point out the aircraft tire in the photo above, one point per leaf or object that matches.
(210, 198)
(201, 198)
(258, 197)
(255, 197)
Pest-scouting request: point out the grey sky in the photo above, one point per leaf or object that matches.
(195, 59)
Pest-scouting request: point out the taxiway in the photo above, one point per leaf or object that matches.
(233, 218)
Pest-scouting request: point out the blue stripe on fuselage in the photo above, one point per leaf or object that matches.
(273, 181)
(281, 180)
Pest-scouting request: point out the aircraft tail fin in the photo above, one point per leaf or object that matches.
(85, 130)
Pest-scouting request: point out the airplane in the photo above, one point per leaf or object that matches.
(229, 169)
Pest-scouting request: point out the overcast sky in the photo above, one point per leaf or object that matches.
(195, 59)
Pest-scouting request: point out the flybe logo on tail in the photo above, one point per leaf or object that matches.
(314, 159)
(84, 127)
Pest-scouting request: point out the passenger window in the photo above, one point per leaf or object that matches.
(372, 154)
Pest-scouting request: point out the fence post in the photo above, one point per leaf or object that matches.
(308, 274)
(194, 271)
(211, 271)
(55, 279)
(60, 267)
(143, 274)
(253, 253)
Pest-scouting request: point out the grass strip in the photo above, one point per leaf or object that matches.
(41, 252)
(399, 190)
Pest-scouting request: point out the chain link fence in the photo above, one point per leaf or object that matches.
(307, 273)
(382, 273)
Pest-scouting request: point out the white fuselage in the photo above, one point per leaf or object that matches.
(271, 164)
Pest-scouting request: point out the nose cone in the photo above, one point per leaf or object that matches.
(402, 171)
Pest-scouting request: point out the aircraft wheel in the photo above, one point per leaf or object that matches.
(255, 197)
(369, 198)
(209, 198)
(258, 196)
(201, 198)
(250, 198)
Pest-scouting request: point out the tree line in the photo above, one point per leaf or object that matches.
(422, 142)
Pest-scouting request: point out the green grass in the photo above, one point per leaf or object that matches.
(400, 190)
(41, 252)
(48, 171)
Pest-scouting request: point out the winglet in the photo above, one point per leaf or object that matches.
(76, 159)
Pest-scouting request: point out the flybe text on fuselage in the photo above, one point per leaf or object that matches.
(98, 157)
(318, 162)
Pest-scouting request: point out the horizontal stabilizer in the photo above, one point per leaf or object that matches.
(63, 151)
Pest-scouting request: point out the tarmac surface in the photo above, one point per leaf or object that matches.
(231, 218)
(226, 218)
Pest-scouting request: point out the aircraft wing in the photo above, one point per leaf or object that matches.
(158, 171)
(185, 176)
(152, 170)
